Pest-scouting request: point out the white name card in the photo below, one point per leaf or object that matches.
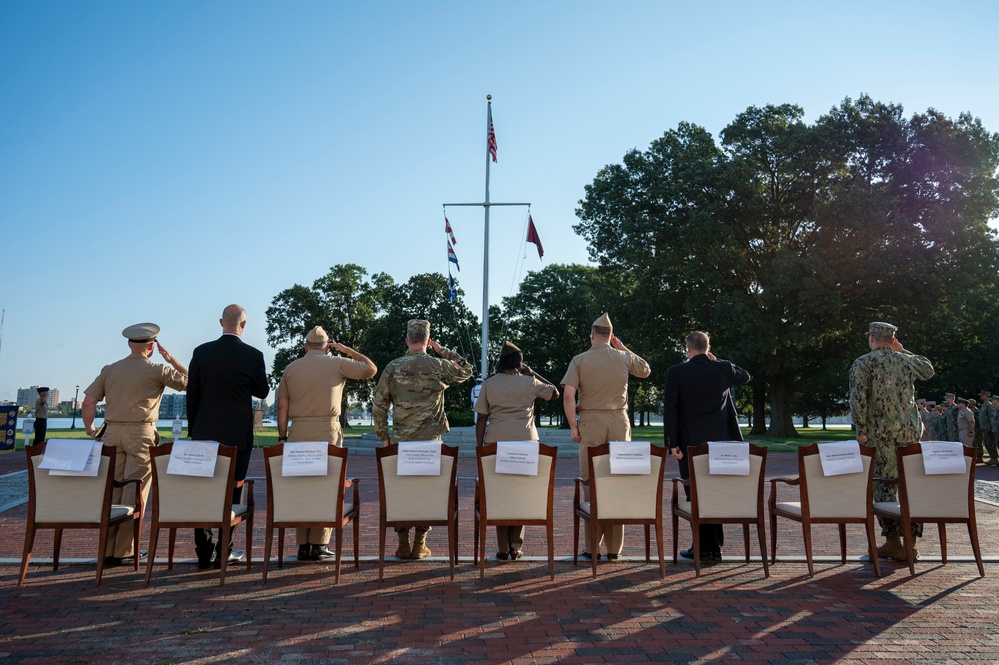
(92, 466)
(193, 458)
(943, 457)
(839, 458)
(517, 457)
(66, 454)
(728, 458)
(631, 458)
(419, 458)
(305, 458)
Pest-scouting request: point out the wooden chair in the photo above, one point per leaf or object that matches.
(513, 500)
(77, 502)
(198, 502)
(941, 499)
(843, 499)
(409, 501)
(310, 502)
(620, 499)
(722, 499)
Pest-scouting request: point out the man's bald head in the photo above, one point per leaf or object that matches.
(233, 319)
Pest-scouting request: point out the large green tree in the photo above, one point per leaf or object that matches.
(785, 239)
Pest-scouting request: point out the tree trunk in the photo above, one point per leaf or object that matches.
(759, 408)
(781, 423)
(804, 422)
(823, 422)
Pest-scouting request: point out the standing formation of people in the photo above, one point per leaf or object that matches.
(226, 374)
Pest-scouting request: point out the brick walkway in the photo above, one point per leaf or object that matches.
(517, 614)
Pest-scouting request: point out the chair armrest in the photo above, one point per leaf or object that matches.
(781, 479)
(138, 488)
(355, 483)
(677, 481)
(247, 486)
(579, 482)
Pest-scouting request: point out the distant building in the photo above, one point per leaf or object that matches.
(173, 406)
(27, 397)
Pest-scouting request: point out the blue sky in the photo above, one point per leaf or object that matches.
(161, 160)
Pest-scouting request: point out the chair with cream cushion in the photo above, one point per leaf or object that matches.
(198, 502)
(411, 501)
(942, 499)
(840, 499)
(620, 499)
(722, 499)
(310, 502)
(77, 502)
(511, 500)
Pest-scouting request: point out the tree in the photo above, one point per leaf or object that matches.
(786, 239)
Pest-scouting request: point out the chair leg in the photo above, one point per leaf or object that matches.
(575, 538)
(648, 544)
(872, 550)
(475, 537)
(102, 542)
(676, 525)
(136, 538)
(842, 543)
(249, 540)
(695, 530)
(773, 537)
(907, 542)
(745, 539)
(280, 550)
(339, 549)
(761, 528)
(58, 546)
(594, 545)
(973, 534)
(452, 541)
(29, 542)
(171, 546)
(268, 542)
(659, 548)
(153, 538)
(942, 528)
(550, 527)
(381, 551)
(357, 539)
(806, 532)
(225, 533)
(480, 546)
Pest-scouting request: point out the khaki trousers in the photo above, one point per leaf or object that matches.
(132, 442)
(597, 428)
(318, 429)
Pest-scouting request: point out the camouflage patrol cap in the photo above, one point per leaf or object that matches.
(418, 326)
(317, 336)
(604, 321)
(995, 398)
(951, 395)
(141, 332)
(882, 328)
(985, 393)
(508, 349)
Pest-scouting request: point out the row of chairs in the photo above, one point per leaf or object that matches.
(65, 502)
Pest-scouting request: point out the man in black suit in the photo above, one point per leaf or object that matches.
(698, 407)
(224, 377)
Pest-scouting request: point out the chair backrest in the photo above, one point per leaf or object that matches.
(846, 495)
(509, 496)
(625, 496)
(935, 496)
(70, 499)
(722, 496)
(414, 498)
(306, 498)
(192, 498)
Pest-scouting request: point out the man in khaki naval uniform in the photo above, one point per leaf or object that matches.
(310, 394)
(599, 377)
(133, 388)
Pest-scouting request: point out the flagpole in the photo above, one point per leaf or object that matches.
(484, 366)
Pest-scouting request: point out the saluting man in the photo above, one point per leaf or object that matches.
(599, 378)
(310, 394)
(133, 388)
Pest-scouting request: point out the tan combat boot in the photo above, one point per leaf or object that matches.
(894, 550)
(403, 552)
(420, 549)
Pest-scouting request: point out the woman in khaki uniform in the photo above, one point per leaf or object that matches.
(506, 403)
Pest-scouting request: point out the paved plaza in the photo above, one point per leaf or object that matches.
(732, 613)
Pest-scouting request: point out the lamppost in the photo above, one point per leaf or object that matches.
(75, 401)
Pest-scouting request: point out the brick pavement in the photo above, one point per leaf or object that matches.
(732, 613)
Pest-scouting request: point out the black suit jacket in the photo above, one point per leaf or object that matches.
(224, 377)
(698, 404)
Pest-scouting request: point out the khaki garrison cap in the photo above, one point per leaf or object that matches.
(141, 332)
(508, 349)
(881, 328)
(418, 326)
(604, 321)
(317, 336)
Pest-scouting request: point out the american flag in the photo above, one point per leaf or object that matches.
(491, 138)
(449, 232)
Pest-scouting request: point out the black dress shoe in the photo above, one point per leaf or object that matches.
(705, 556)
(516, 554)
(322, 553)
(589, 557)
(123, 560)
(613, 557)
(206, 564)
(304, 553)
(503, 556)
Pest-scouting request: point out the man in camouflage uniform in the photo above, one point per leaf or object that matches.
(992, 442)
(984, 426)
(978, 442)
(413, 386)
(948, 420)
(885, 414)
